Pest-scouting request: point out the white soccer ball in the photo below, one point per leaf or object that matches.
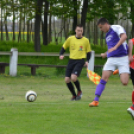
(31, 96)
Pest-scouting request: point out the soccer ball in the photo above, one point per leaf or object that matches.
(30, 96)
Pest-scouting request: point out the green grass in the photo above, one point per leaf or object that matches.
(54, 113)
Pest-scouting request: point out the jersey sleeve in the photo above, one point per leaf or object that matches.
(88, 46)
(66, 43)
(118, 29)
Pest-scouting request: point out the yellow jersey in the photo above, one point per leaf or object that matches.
(78, 48)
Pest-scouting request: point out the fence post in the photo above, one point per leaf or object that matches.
(91, 61)
(13, 62)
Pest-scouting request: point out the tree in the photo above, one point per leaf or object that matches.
(132, 17)
(84, 13)
(45, 30)
(7, 13)
(20, 20)
(75, 15)
(37, 25)
(1, 26)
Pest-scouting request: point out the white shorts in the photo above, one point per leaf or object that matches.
(121, 63)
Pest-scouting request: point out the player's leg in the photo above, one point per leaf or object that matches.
(77, 85)
(124, 77)
(74, 77)
(75, 80)
(107, 72)
(131, 109)
(70, 87)
(124, 70)
(100, 87)
(68, 79)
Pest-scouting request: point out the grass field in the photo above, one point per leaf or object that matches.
(54, 113)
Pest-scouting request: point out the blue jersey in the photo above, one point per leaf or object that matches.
(112, 38)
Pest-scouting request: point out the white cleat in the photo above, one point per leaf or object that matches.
(131, 112)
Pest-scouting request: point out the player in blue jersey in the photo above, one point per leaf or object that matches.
(117, 56)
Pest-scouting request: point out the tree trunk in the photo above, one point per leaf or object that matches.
(50, 31)
(7, 37)
(24, 24)
(37, 25)
(42, 26)
(75, 15)
(132, 17)
(56, 39)
(1, 26)
(32, 35)
(94, 32)
(96, 37)
(28, 31)
(45, 37)
(65, 33)
(13, 20)
(61, 29)
(84, 14)
(19, 36)
(88, 30)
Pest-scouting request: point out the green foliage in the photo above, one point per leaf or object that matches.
(52, 47)
(103, 8)
(64, 8)
(60, 71)
(98, 49)
(98, 70)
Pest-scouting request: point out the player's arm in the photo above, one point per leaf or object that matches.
(61, 53)
(88, 53)
(88, 58)
(130, 48)
(63, 49)
(123, 37)
(104, 55)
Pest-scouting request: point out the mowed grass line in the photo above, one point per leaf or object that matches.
(54, 113)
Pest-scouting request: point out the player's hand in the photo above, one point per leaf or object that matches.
(103, 55)
(61, 57)
(130, 58)
(86, 64)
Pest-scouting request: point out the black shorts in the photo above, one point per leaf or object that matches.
(132, 75)
(74, 67)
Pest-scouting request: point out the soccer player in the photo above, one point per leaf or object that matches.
(79, 48)
(131, 58)
(117, 56)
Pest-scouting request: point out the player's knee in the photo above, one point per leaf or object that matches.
(67, 80)
(73, 78)
(125, 83)
(105, 78)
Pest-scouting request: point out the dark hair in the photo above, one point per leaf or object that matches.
(79, 25)
(102, 21)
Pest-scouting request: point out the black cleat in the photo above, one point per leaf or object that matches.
(79, 95)
(73, 98)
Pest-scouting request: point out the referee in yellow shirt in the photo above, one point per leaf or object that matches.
(79, 48)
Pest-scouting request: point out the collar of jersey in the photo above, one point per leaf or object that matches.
(78, 38)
